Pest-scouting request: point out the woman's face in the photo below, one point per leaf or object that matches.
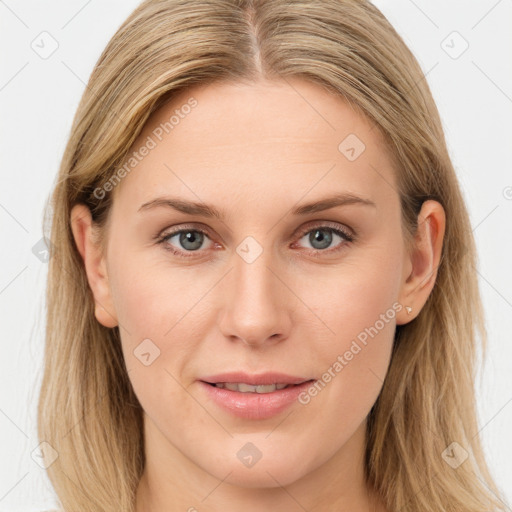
(270, 285)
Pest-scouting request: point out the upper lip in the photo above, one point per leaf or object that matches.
(255, 380)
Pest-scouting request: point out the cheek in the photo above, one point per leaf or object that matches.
(350, 297)
(156, 338)
(159, 309)
(150, 298)
(358, 304)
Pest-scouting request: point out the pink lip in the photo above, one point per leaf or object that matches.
(255, 406)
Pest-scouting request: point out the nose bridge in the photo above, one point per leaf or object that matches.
(254, 308)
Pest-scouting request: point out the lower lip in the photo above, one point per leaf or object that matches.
(255, 406)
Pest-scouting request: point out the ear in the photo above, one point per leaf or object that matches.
(94, 263)
(422, 261)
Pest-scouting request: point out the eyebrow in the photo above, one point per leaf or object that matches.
(206, 210)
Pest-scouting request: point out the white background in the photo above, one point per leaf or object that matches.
(38, 98)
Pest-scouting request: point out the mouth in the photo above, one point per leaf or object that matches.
(252, 401)
(242, 387)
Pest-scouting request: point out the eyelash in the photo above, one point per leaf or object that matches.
(348, 237)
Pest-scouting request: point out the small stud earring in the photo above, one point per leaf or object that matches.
(408, 309)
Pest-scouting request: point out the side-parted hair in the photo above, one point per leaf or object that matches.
(88, 411)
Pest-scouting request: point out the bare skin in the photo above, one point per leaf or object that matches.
(257, 152)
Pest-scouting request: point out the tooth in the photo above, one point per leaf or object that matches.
(242, 387)
(268, 388)
(245, 388)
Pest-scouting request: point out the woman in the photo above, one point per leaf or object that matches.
(262, 291)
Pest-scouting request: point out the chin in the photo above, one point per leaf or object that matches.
(260, 479)
(278, 470)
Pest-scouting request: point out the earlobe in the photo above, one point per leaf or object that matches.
(94, 264)
(422, 261)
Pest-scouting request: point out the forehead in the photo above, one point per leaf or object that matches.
(269, 141)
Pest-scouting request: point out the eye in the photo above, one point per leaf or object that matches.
(187, 240)
(322, 237)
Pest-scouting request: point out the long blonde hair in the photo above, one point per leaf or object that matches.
(88, 411)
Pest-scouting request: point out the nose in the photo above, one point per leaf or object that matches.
(256, 303)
